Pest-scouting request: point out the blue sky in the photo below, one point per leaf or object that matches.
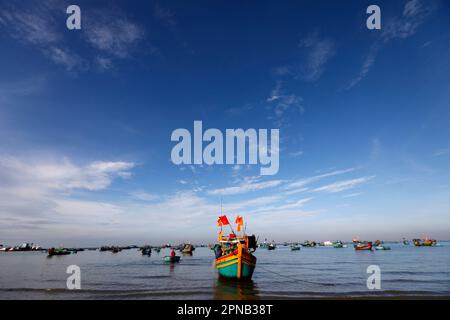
(86, 118)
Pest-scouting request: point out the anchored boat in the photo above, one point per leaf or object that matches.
(363, 246)
(57, 252)
(187, 248)
(170, 259)
(234, 258)
(425, 243)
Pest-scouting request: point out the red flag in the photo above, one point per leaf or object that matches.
(240, 222)
(223, 221)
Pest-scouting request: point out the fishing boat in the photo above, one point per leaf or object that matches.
(234, 253)
(187, 248)
(146, 251)
(295, 248)
(309, 244)
(116, 250)
(264, 244)
(338, 245)
(169, 259)
(271, 246)
(363, 246)
(405, 242)
(57, 252)
(382, 247)
(425, 243)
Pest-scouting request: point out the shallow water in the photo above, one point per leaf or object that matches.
(282, 273)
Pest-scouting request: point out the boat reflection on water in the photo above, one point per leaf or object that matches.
(232, 289)
(172, 268)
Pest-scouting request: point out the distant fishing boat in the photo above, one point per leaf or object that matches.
(309, 244)
(57, 252)
(264, 244)
(170, 259)
(425, 243)
(382, 247)
(295, 248)
(271, 246)
(339, 244)
(234, 258)
(187, 248)
(146, 251)
(405, 242)
(363, 246)
(116, 250)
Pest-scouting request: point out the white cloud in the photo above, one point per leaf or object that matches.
(366, 67)
(296, 154)
(352, 195)
(319, 51)
(441, 152)
(342, 185)
(40, 25)
(144, 196)
(246, 186)
(64, 57)
(112, 34)
(62, 174)
(35, 26)
(415, 12)
(104, 63)
(280, 102)
(165, 15)
(301, 183)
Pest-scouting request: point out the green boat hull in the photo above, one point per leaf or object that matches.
(231, 271)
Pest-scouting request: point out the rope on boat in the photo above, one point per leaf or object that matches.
(295, 279)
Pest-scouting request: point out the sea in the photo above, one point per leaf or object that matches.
(405, 271)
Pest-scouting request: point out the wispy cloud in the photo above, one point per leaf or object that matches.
(342, 185)
(34, 25)
(143, 195)
(281, 102)
(165, 15)
(110, 32)
(113, 34)
(318, 51)
(414, 14)
(296, 154)
(37, 25)
(64, 57)
(366, 67)
(301, 183)
(441, 152)
(245, 187)
(352, 195)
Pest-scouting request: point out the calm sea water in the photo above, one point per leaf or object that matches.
(311, 272)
